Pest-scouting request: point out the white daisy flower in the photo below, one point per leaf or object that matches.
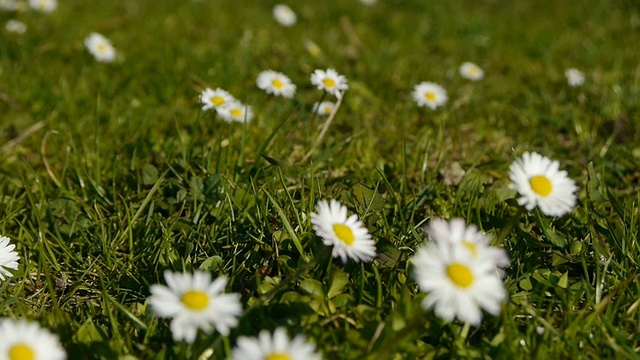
(574, 76)
(214, 99)
(459, 285)
(15, 26)
(20, 339)
(324, 108)
(540, 183)
(235, 111)
(284, 15)
(276, 83)
(330, 81)
(430, 95)
(8, 258)
(274, 347)
(9, 5)
(456, 233)
(471, 71)
(194, 302)
(43, 5)
(348, 236)
(100, 47)
(368, 2)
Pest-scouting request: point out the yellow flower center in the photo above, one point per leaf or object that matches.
(430, 96)
(277, 83)
(460, 275)
(278, 356)
(236, 112)
(344, 233)
(217, 100)
(541, 185)
(195, 300)
(471, 246)
(327, 110)
(473, 70)
(21, 352)
(329, 82)
(102, 48)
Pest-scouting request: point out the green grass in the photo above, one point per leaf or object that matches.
(110, 173)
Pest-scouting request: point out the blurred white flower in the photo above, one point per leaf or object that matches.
(195, 302)
(471, 71)
(284, 15)
(273, 82)
(430, 95)
(330, 81)
(100, 47)
(43, 5)
(574, 76)
(15, 26)
(324, 108)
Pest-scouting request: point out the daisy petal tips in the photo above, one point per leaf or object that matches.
(20, 339)
(541, 183)
(214, 99)
(100, 47)
(276, 346)
(8, 258)
(347, 235)
(458, 284)
(430, 95)
(330, 81)
(276, 83)
(471, 71)
(195, 302)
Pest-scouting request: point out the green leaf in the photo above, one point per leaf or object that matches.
(211, 263)
(564, 280)
(149, 174)
(339, 281)
(312, 287)
(525, 284)
(89, 332)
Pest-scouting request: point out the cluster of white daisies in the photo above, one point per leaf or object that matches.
(458, 269)
(278, 84)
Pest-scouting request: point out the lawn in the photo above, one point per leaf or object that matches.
(112, 174)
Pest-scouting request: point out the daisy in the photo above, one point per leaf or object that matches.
(471, 71)
(284, 15)
(276, 83)
(274, 347)
(195, 302)
(43, 5)
(100, 47)
(540, 183)
(8, 258)
(20, 339)
(459, 285)
(574, 76)
(368, 2)
(15, 26)
(330, 81)
(430, 95)
(456, 233)
(9, 5)
(324, 108)
(348, 236)
(235, 111)
(214, 99)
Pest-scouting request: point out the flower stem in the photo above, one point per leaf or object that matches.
(324, 129)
